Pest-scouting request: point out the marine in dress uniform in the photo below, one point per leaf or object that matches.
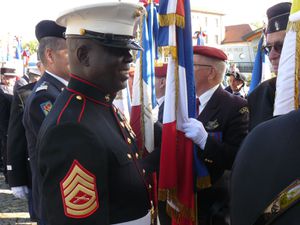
(89, 173)
(46, 90)
(261, 99)
(265, 185)
(218, 131)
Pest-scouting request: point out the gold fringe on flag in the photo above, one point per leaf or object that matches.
(168, 50)
(295, 27)
(171, 19)
(182, 212)
(141, 151)
(203, 182)
(297, 67)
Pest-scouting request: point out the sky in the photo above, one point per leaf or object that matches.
(19, 17)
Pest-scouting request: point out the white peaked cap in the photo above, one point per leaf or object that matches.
(114, 18)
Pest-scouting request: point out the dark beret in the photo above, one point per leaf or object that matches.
(161, 70)
(210, 52)
(278, 17)
(237, 75)
(48, 28)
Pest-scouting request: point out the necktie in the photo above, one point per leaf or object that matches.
(197, 106)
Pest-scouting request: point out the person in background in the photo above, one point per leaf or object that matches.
(218, 131)
(8, 76)
(18, 168)
(53, 53)
(160, 87)
(236, 83)
(261, 99)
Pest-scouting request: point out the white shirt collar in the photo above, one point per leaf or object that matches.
(58, 78)
(160, 100)
(204, 98)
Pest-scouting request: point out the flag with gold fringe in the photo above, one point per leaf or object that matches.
(287, 85)
(143, 94)
(176, 178)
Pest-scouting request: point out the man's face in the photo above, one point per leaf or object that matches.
(61, 61)
(275, 40)
(202, 69)
(235, 84)
(109, 67)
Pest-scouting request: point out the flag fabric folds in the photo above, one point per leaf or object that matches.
(19, 49)
(261, 69)
(258, 63)
(143, 96)
(176, 179)
(287, 84)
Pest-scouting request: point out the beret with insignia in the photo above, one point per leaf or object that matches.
(278, 17)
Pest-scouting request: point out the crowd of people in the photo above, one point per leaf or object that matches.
(68, 150)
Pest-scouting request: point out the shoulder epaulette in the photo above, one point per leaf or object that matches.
(43, 86)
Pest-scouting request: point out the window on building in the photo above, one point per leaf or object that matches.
(217, 22)
(217, 39)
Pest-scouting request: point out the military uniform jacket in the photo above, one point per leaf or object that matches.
(37, 107)
(225, 118)
(88, 169)
(261, 102)
(18, 169)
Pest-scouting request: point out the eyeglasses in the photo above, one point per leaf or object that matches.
(196, 65)
(277, 47)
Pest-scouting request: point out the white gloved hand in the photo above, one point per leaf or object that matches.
(195, 131)
(20, 192)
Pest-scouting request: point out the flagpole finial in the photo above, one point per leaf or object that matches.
(295, 6)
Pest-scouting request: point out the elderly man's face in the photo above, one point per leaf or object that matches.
(275, 40)
(109, 67)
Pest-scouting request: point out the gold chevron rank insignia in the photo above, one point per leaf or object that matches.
(79, 192)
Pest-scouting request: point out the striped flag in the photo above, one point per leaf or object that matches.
(143, 96)
(287, 84)
(176, 179)
(261, 70)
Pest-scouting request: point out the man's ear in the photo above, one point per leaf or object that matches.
(83, 55)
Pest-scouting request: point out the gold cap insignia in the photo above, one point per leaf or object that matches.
(107, 98)
(82, 31)
(79, 192)
(244, 110)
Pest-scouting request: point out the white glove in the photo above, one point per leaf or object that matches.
(195, 131)
(20, 192)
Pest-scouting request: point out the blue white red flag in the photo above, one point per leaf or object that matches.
(176, 179)
(143, 96)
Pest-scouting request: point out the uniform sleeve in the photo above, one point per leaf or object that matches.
(17, 146)
(73, 177)
(39, 109)
(221, 154)
(4, 114)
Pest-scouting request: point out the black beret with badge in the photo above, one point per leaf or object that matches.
(112, 24)
(48, 28)
(278, 17)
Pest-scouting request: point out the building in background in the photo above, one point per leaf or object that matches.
(209, 22)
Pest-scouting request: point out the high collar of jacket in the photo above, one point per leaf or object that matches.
(89, 90)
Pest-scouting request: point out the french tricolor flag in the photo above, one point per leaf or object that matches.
(176, 179)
